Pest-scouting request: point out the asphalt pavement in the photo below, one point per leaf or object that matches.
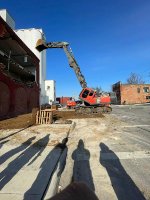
(112, 155)
(132, 152)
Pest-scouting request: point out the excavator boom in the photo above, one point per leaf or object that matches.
(92, 102)
(41, 45)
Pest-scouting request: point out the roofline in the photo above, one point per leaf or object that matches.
(8, 13)
(37, 29)
(20, 42)
(136, 84)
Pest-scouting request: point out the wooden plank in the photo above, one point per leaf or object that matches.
(47, 114)
(40, 119)
(44, 116)
(37, 113)
(50, 109)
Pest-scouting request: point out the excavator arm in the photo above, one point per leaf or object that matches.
(41, 45)
(92, 103)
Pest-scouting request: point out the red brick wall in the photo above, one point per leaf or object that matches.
(15, 98)
(130, 95)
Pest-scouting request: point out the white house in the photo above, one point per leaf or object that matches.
(50, 91)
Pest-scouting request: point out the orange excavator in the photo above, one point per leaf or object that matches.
(71, 103)
(93, 103)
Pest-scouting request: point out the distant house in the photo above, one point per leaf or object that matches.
(50, 91)
(131, 93)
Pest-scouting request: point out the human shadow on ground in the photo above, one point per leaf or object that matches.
(123, 185)
(32, 152)
(2, 143)
(13, 133)
(16, 150)
(47, 169)
(81, 169)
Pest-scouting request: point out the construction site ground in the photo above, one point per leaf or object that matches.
(110, 152)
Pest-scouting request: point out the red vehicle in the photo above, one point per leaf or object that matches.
(90, 97)
(92, 102)
(71, 103)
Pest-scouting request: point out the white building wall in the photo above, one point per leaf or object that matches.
(7, 18)
(30, 38)
(50, 91)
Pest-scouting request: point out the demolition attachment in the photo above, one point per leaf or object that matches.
(41, 45)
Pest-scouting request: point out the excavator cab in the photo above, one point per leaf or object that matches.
(90, 97)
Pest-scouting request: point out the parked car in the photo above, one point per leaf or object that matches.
(58, 105)
(45, 106)
(79, 102)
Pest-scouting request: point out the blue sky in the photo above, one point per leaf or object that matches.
(109, 38)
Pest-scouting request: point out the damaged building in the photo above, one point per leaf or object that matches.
(23, 83)
(19, 73)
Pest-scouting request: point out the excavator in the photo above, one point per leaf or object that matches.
(93, 103)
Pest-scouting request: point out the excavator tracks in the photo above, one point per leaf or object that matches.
(93, 110)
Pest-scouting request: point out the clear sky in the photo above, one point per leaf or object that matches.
(109, 38)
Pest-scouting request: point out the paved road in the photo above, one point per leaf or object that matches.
(112, 154)
(134, 114)
(133, 150)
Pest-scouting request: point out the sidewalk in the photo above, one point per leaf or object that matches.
(28, 160)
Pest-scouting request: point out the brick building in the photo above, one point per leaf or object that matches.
(131, 93)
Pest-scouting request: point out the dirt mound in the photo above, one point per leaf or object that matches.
(21, 121)
(72, 115)
(26, 120)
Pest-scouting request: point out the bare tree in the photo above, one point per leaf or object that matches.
(135, 79)
(98, 90)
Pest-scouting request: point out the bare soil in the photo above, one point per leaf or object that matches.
(27, 120)
(21, 121)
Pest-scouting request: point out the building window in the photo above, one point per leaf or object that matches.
(91, 93)
(85, 93)
(138, 90)
(146, 89)
(48, 87)
(147, 97)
